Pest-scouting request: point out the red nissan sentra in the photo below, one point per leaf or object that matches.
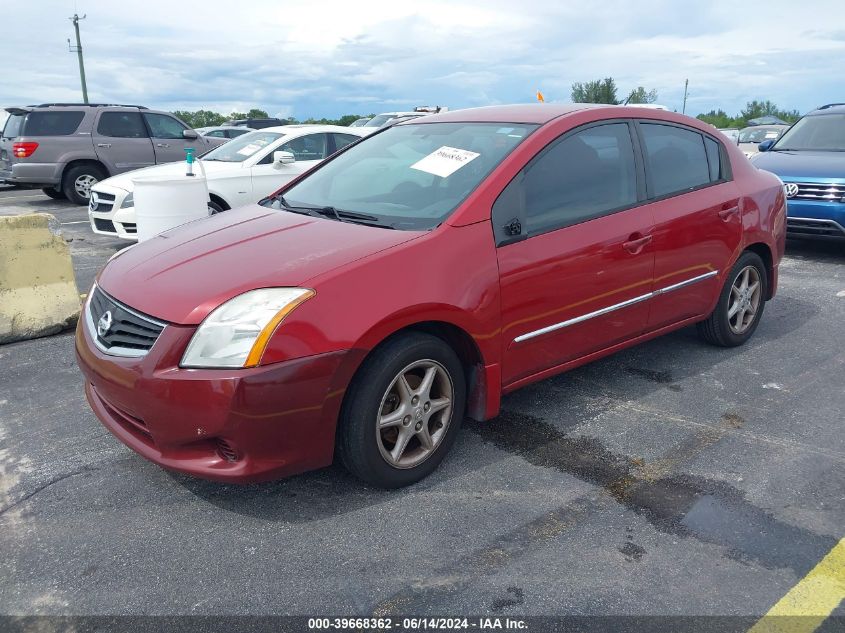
(410, 280)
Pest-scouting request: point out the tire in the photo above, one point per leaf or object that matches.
(214, 208)
(730, 330)
(55, 194)
(77, 182)
(426, 426)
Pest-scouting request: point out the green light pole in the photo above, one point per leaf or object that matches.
(78, 50)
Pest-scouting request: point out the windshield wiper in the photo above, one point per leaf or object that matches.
(331, 212)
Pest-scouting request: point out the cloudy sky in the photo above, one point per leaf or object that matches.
(327, 58)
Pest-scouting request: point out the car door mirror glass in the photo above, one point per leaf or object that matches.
(190, 134)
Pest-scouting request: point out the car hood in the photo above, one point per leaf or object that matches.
(185, 273)
(213, 169)
(794, 166)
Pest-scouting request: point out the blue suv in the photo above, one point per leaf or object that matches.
(810, 160)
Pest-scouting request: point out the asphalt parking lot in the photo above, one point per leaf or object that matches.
(673, 478)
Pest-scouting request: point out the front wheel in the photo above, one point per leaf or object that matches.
(740, 305)
(402, 412)
(214, 208)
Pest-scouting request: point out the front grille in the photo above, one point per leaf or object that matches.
(809, 226)
(101, 202)
(820, 191)
(104, 225)
(119, 329)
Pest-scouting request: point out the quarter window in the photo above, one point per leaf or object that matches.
(121, 125)
(163, 126)
(675, 158)
(714, 159)
(342, 140)
(583, 176)
(57, 123)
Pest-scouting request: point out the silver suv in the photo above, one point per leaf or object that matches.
(64, 148)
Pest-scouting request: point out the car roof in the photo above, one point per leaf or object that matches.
(520, 113)
(307, 127)
(830, 108)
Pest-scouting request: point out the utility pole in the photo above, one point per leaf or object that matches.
(78, 50)
(686, 86)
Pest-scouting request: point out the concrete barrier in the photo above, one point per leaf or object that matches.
(38, 294)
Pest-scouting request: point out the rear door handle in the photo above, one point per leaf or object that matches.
(637, 244)
(726, 214)
(162, 144)
(103, 144)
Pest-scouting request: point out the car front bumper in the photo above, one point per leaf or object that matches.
(106, 215)
(811, 218)
(236, 426)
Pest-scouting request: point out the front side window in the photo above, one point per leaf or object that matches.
(411, 176)
(121, 125)
(217, 134)
(820, 133)
(55, 123)
(342, 140)
(239, 149)
(675, 158)
(309, 147)
(163, 126)
(580, 177)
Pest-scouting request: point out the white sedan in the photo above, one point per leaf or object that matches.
(244, 170)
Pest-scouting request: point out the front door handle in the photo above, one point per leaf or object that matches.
(636, 244)
(103, 144)
(162, 144)
(726, 214)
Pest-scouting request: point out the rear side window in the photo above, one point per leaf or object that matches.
(52, 123)
(675, 158)
(121, 125)
(714, 158)
(342, 140)
(583, 176)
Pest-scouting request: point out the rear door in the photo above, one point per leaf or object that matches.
(698, 218)
(121, 141)
(574, 251)
(168, 142)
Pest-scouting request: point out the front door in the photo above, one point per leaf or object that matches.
(697, 213)
(168, 142)
(577, 278)
(308, 150)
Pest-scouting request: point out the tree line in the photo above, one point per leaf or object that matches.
(208, 118)
(753, 110)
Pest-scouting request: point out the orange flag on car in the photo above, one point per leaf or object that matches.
(540, 97)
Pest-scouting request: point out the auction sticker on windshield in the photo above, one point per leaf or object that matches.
(445, 161)
(250, 149)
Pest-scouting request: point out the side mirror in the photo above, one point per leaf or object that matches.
(282, 158)
(765, 146)
(190, 135)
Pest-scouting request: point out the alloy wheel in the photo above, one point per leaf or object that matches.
(745, 299)
(414, 414)
(83, 185)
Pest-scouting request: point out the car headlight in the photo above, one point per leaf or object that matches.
(128, 201)
(236, 333)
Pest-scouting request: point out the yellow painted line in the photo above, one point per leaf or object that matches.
(812, 600)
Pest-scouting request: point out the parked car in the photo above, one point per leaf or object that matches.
(243, 170)
(731, 132)
(255, 124)
(359, 122)
(224, 131)
(750, 137)
(65, 148)
(810, 159)
(391, 118)
(413, 278)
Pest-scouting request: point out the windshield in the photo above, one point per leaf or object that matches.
(379, 120)
(411, 176)
(820, 132)
(239, 149)
(759, 134)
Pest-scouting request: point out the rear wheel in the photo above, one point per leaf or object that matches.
(55, 194)
(214, 208)
(740, 305)
(403, 411)
(78, 181)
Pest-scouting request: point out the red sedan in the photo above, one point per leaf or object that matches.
(364, 309)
